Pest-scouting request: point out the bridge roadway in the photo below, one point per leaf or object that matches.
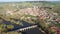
(27, 28)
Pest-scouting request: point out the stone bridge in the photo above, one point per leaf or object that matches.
(27, 28)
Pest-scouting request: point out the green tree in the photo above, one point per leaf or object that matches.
(10, 27)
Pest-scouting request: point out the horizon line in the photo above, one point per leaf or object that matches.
(28, 1)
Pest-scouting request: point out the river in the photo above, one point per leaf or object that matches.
(25, 24)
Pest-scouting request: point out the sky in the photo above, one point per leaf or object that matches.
(24, 0)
